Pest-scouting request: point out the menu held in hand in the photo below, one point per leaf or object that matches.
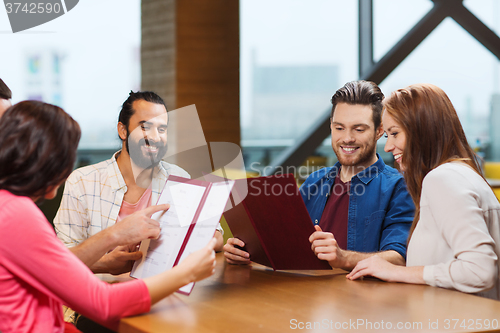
(195, 210)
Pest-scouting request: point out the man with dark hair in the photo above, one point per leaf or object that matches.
(100, 195)
(5, 97)
(360, 207)
(132, 229)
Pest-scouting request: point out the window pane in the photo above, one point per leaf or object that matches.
(85, 61)
(285, 43)
(453, 60)
(393, 19)
(294, 56)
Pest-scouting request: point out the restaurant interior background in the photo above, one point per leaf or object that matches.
(293, 55)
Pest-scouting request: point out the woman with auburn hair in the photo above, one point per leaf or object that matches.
(455, 237)
(38, 274)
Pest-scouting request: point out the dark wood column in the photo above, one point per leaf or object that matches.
(190, 55)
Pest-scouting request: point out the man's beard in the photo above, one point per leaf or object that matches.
(145, 160)
(361, 159)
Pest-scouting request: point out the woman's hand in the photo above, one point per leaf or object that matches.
(200, 264)
(376, 267)
(384, 270)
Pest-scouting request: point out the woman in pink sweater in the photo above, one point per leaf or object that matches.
(38, 274)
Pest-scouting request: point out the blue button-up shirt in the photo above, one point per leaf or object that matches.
(380, 208)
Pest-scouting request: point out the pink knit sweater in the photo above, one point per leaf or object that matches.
(38, 274)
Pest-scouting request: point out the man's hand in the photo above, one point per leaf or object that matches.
(219, 241)
(129, 231)
(326, 248)
(138, 226)
(234, 255)
(120, 260)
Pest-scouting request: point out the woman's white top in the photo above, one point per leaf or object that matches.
(457, 238)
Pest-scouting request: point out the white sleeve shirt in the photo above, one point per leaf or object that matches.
(457, 238)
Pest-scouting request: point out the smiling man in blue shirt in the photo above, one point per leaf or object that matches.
(360, 207)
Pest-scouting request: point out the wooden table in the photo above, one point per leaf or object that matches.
(239, 299)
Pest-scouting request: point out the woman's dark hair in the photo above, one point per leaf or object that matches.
(361, 93)
(38, 143)
(5, 92)
(434, 135)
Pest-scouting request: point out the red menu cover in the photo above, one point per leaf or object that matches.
(273, 221)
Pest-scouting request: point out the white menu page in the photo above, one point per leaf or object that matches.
(160, 254)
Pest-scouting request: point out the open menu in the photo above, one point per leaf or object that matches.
(195, 210)
(272, 220)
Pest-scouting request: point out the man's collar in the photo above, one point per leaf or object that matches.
(366, 175)
(116, 177)
(117, 181)
(372, 171)
(162, 170)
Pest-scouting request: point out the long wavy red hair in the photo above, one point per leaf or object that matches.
(434, 135)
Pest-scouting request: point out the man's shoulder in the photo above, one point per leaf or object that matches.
(391, 172)
(92, 171)
(380, 174)
(174, 170)
(389, 178)
(321, 173)
(380, 171)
